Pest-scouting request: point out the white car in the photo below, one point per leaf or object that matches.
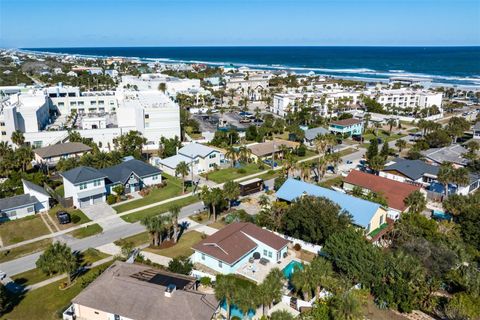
(3, 275)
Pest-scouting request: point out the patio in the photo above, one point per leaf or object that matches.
(256, 271)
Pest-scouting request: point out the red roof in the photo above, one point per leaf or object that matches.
(233, 242)
(393, 191)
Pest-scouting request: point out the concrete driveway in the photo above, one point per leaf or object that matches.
(102, 210)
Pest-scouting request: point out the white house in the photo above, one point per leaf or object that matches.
(202, 158)
(85, 185)
(89, 186)
(38, 192)
(35, 199)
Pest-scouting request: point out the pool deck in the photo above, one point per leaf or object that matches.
(257, 272)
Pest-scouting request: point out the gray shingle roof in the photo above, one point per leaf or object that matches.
(138, 292)
(35, 187)
(57, 150)
(196, 149)
(121, 172)
(413, 169)
(17, 201)
(311, 134)
(82, 174)
(452, 154)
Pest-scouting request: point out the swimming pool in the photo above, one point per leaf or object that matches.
(290, 268)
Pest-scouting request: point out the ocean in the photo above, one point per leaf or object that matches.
(449, 65)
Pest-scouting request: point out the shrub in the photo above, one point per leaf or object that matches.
(111, 199)
(206, 281)
(241, 171)
(75, 218)
(297, 247)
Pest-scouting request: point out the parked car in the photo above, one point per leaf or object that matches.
(63, 217)
(349, 162)
(3, 275)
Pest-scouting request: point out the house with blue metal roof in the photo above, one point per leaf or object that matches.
(365, 214)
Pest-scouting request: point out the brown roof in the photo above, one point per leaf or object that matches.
(57, 150)
(266, 148)
(346, 122)
(394, 192)
(138, 292)
(231, 243)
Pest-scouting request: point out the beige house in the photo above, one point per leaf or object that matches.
(269, 149)
(50, 155)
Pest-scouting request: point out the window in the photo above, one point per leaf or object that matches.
(73, 103)
(81, 103)
(2, 124)
(93, 103)
(61, 104)
(264, 252)
(220, 264)
(97, 183)
(155, 177)
(101, 102)
(211, 165)
(4, 133)
(213, 156)
(269, 254)
(381, 219)
(83, 186)
(12, 214)
(203, 256)
(147, 116)
(30, 209)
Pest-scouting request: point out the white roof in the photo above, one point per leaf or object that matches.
(173, 161)
(196, 150)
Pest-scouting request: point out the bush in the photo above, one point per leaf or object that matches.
(75, 218)
(206, 281)
(181, 265)
(111, 199)
(297, 247)
(241, 171)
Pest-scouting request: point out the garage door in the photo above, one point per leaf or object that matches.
(84, 202)
(97, 199)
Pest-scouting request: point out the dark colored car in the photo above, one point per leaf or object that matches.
(63, 217)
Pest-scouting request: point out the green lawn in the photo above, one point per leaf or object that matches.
(136, 240)
(226, 174)
(337, 182)
(217, 225)
(77, 216)
(86, 231)
(382, 134)
(183, 246)
(48, 302)
(22, 229)
(24, 250)
(33, 276)
(139, 215)
(172, 189)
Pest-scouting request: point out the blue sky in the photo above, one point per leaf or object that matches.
(80, 23)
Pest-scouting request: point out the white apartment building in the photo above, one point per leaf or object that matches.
(249, 85)
(290, 102)
(150, 112)
(407, 98)
(27, 112)
(152, 81)
(66, 100)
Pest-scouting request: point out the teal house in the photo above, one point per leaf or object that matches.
(347, 127)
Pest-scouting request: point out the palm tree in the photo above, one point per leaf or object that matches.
(17, 138)
(461, 177)
(367, 117)
(4, 148)
(391, 122)
(174, 212)
(231, 190)
(445, 175)
(305, 170)
(416, 202)
(346, 306)
(289, 162)
(232, 154)
(245, 300)
(322, 270)
(334, 159)
(225, 290)
(264, 201)
(244, 154)
(303, 281)
(400, 144)
(182, 169)
(377, 163)
(270, 289)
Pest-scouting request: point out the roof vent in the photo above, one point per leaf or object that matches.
(170, 290)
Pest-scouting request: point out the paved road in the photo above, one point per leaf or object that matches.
(28, 262)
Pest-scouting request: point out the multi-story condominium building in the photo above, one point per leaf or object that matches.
(284, 103)
(248, 85)
(100, 116)
(406, 98)
(28, 112)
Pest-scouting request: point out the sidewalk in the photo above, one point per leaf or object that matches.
(63, 276)
(106, 219)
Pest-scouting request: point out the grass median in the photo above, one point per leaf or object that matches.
(24, 250)
(139, 215)
(86, 231)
